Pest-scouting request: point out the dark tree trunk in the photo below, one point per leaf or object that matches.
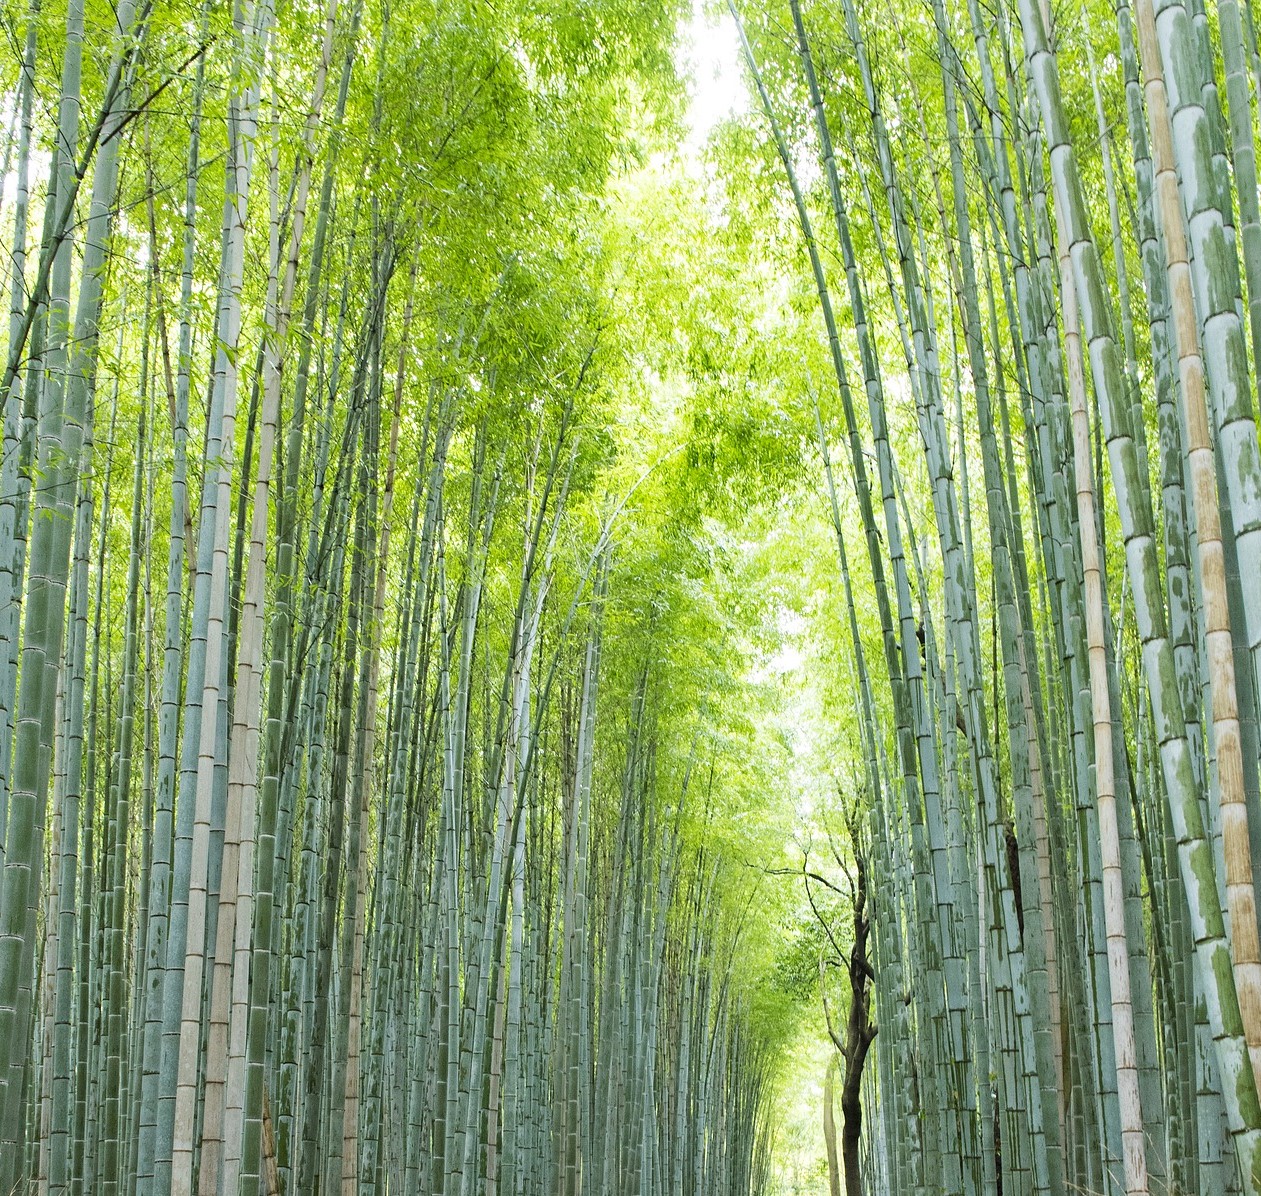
(859, 1032)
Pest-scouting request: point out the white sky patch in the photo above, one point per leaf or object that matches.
(709, 51)
(789, 657)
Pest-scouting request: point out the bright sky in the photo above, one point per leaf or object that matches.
(710, 52)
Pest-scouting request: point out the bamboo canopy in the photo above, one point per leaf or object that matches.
(570, 626)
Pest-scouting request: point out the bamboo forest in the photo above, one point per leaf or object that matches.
(630, 598)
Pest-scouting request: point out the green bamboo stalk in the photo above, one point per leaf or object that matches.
(1239, 1090)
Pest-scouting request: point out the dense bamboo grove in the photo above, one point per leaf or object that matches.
(352, 831)
(469, 535)
(1058, 686)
